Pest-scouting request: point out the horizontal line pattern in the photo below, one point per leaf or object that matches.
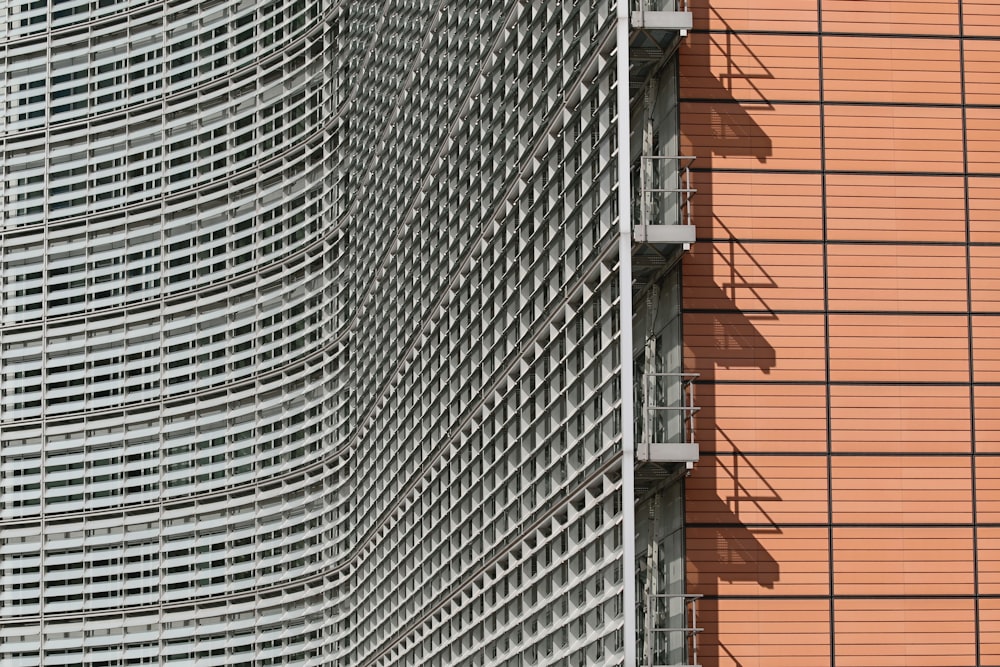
(837, 340)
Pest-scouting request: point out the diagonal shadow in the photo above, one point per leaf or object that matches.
(738, 470)
(727, 338)
(730, 550)
(727, 552)
(729, 43)
(737, 281)
(733, 131)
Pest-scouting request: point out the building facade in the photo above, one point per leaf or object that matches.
(314, 319)
(841, 308)
(350, 333)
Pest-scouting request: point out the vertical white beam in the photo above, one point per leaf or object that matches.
(625, 311)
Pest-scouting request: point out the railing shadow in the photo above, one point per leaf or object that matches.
(726, 338)
(728, 255)
(727, 549)
(738, 468)
(733, 131)
(728, 553)
(729, 43)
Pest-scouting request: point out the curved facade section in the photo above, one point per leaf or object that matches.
(310, 338)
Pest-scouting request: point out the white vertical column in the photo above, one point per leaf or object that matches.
(625, 312)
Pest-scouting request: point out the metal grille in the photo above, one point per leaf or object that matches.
(310, 334)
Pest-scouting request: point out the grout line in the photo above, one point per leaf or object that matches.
(971, 339)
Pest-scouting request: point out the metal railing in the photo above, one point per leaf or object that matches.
(674, 397)
(665, 190)
(659, 649)
(660, 5)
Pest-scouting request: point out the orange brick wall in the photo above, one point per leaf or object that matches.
(842, 306)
